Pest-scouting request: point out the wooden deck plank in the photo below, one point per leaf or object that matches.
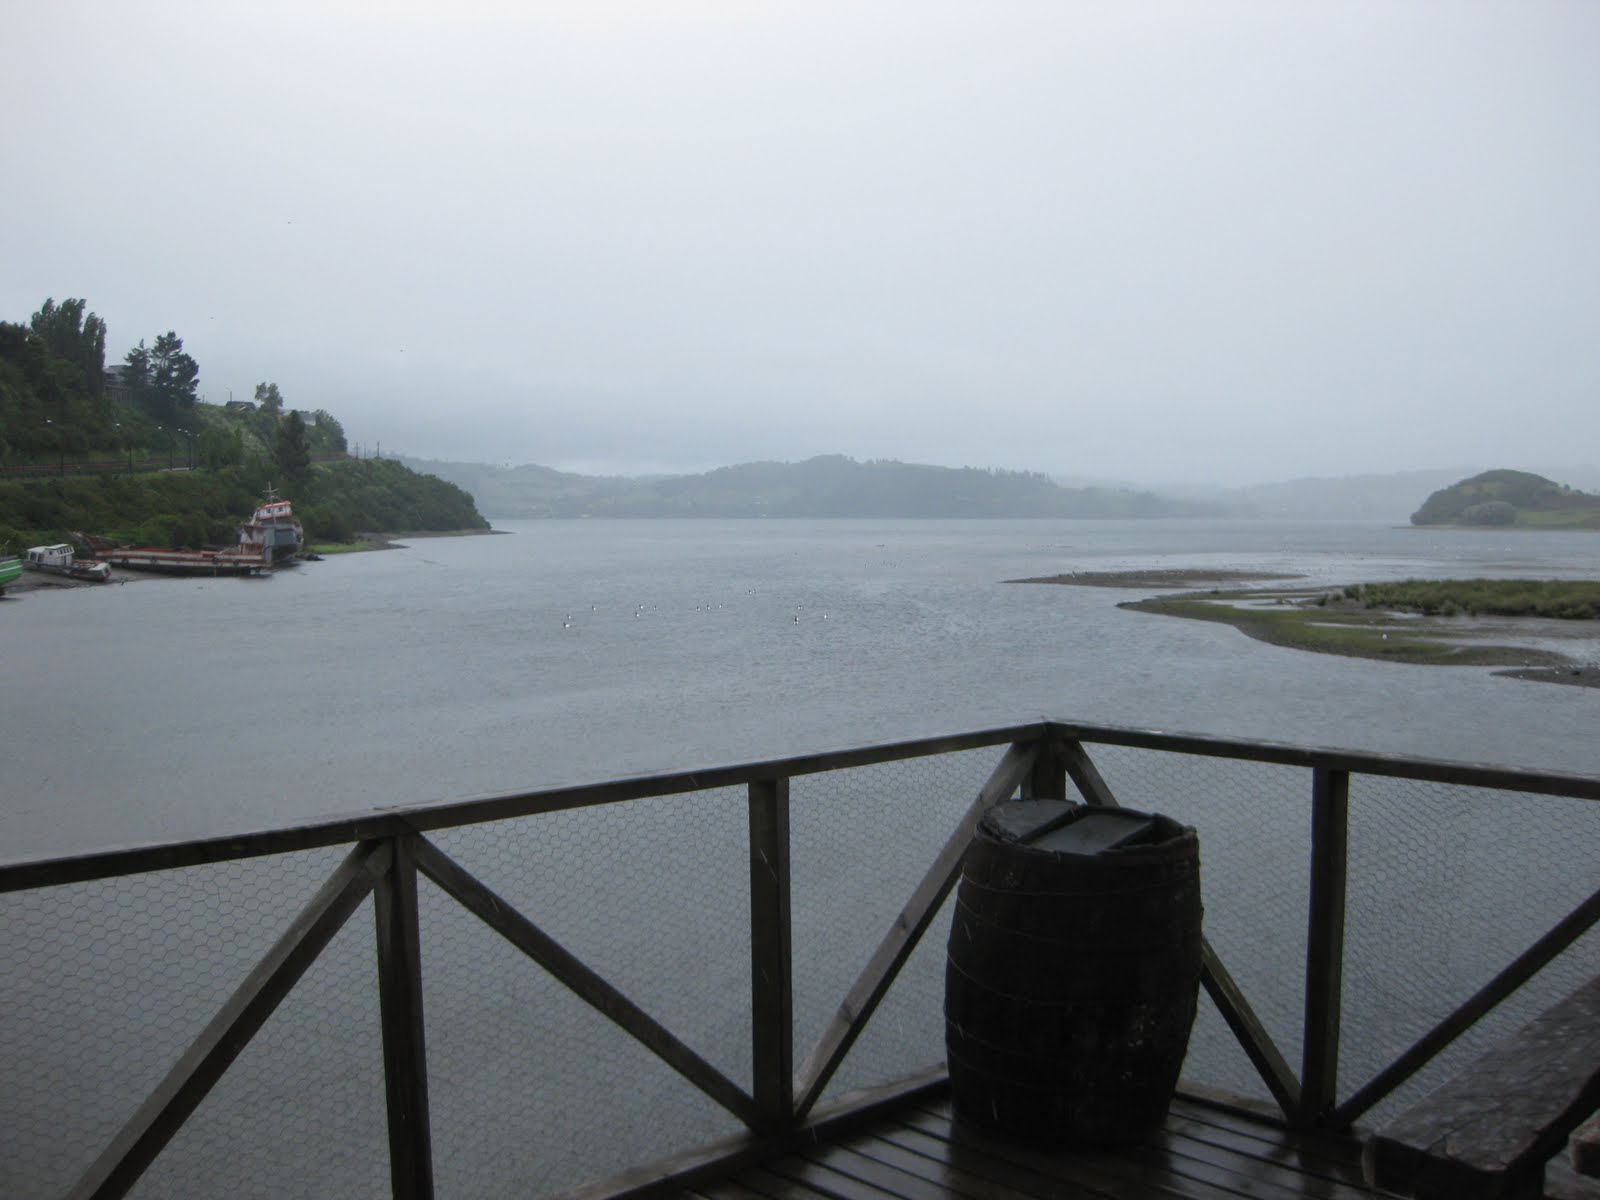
(934, 1165)
(1204, 1152)
(825, 1180)
(999, 1171)
(908, 1184)
(1331, 1162)
(1107, 1173)
(724, 1189)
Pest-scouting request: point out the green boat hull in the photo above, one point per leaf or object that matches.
(10, 571)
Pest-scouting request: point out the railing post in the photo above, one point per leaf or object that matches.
(1330, 837)
(1048, 778)
(405, 1065)
(771, 979)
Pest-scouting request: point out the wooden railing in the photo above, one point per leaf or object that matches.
(389, 849)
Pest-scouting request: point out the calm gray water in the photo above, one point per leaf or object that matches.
(578, 651)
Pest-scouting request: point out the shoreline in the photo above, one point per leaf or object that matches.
(39, 581)
(1318, 621)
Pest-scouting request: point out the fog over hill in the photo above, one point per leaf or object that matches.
(835, 485)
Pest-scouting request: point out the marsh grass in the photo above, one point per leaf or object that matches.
(1571, 600)
(1375, 621)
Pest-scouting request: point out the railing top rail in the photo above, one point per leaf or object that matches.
(1433, 770)
(23, 873)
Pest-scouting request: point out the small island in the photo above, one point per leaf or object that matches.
(1510, 498)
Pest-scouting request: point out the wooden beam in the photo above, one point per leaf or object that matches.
(582, 980)
(414, 817)
(18, 874)
(722, 1158)
(1330, 844)
(771, 964)
(1248, 1030)
(1395, 766)
(405, 1065)
(1532, 960)
(1085, 775)
(1489, 1130)
(872, 984)
(1048, 779)
(165, 1110)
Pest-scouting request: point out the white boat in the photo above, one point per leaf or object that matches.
(274, 526)
(60, 559)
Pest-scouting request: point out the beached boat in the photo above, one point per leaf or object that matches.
(60, 560)
(271, 537)
(247, 558)
(275, 526)
(10, 572)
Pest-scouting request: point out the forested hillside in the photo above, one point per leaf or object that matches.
(828, 486)
(130, 452)
(1510, 498)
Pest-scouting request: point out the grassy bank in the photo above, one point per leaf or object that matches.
(1434, 621)
(1571, 600)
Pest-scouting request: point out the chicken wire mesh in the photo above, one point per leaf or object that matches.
(860, 842)
(106, 983)
(1449, 884)
(532, 1091)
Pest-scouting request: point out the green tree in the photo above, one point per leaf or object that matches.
(220, 448)
(293, 454)
(174, 376)
(76, 342)
(162, 377)
(327, 434)
(269, 398)
(136, 372)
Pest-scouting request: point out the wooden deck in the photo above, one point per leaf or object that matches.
(1205, 1152)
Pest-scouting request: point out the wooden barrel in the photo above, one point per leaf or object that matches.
(1073, 972)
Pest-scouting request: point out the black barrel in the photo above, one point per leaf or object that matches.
(1073, 972)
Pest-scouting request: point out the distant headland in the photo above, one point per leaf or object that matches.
(1513, 498)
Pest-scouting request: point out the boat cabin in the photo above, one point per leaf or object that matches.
(59, 555)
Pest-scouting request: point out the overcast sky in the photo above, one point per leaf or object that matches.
(1202, 240)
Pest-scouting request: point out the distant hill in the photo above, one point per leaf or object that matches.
(827, 486)
(1505, 497)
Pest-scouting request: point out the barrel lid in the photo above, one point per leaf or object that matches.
(1024, 820)
(1063, 827)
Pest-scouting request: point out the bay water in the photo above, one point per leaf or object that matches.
(585, 650)
(571, 652)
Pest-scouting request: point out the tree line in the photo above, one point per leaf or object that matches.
(136, 423)
(60, 401)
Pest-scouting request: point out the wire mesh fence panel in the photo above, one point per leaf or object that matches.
(1447, 886)
(652, 894)
(1253, 820)
(106, 983)
(300, 1112)
(906, 1034)
(532, 1090)
(861, 841)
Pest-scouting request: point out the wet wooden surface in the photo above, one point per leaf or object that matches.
(1203, 1152)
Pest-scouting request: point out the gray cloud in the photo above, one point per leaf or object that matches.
(1232, 241)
